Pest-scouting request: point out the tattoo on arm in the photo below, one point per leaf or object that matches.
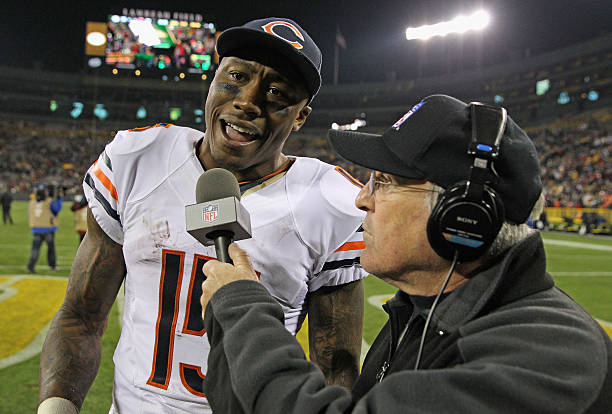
(335, 325)
(71, 353)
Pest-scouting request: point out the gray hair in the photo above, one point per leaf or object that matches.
(509, 235)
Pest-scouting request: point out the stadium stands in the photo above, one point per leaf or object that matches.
(53, 125)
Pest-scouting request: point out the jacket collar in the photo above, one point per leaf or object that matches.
(520, 272)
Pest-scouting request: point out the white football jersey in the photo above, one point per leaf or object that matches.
(306, 234)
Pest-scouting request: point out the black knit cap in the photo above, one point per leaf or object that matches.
(430, 143)
(283, 36)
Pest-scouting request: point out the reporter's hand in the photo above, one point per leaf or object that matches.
(219, 274)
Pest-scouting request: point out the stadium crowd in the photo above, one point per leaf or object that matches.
(31, 154)
(575, 155)
(576, 161)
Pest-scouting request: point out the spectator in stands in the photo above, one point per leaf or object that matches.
(43, 211)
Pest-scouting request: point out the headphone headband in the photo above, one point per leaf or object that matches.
(488, 126)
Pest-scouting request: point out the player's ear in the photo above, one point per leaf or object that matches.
(301, 118)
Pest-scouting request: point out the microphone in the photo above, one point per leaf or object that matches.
(218, 217)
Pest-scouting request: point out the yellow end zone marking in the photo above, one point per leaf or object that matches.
(302, 337)
(607, 326)
(26, 312)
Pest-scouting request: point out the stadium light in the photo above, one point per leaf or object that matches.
(353, 126)
(460, 24)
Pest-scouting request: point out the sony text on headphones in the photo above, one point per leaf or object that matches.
(469, 214)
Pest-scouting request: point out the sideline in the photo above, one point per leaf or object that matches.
(378, 300)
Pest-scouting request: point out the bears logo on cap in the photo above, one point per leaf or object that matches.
(269, 28)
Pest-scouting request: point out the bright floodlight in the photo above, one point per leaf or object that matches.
(460, 24)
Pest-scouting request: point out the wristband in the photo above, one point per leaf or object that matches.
(57, 405)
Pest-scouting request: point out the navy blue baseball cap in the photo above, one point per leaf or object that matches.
(283, 36)
(430, 142)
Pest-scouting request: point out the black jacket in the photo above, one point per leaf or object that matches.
(507, 341)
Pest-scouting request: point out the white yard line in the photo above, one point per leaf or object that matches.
(364, 351)
(377, 300)
(579, 245)
(604, 323)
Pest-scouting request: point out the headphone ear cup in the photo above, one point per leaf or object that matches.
(460, 224)
(498, 212)
(434, 234)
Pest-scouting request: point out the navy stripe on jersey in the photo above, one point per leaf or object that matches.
(348, 176)
(107, 207)
(107, 161)
(337, 264)
(248, 186)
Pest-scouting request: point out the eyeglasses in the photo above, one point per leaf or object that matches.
(374, 184)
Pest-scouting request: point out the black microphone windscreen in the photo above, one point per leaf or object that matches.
(215, 184)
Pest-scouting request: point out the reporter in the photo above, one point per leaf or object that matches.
(477, 324)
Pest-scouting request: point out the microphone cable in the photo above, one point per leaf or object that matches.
(433, 307)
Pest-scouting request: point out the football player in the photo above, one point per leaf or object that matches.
(305, 247)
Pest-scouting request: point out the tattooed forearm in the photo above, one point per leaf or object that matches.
(71, 353)
(335, 322)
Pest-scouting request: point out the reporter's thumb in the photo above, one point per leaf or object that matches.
(240, 257)
(236, 253)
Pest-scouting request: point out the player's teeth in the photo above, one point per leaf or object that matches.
(237, 128)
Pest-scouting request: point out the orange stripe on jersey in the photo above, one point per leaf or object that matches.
(161, 124)
(349, 177)
(267, 176)
(105, 180)
(357, 245)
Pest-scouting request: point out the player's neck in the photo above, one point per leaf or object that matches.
(261, 171)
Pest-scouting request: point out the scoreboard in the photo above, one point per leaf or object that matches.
(151, 43)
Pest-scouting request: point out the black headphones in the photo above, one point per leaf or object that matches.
(469, 214)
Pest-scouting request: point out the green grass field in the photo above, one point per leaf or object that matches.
(582, 266)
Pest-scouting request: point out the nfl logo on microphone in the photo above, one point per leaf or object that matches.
(210, 212)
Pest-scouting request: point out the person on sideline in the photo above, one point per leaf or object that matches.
(79, 208)
(42, 213)
(6, 200)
